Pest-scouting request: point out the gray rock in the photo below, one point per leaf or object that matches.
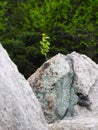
(19, 108)
(77, 123)
(66, 86)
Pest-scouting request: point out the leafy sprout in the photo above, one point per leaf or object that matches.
(45, 45)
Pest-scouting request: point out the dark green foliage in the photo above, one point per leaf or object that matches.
(30, 38)
(25, 57)
(72, 25)
(14, 47)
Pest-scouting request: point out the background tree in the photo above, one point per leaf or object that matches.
(72, 26)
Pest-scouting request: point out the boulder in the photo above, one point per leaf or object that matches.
(19, 108)
(66, 86)
(77, 123)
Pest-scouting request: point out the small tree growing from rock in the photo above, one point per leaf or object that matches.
(45, 45)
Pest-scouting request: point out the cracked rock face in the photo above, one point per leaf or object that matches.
(66, 86)
(19, 108)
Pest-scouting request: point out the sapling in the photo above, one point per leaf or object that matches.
(45, 45)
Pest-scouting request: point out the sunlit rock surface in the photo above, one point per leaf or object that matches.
(77, 123)
(19, 108)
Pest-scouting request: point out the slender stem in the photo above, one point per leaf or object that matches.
(46, 57)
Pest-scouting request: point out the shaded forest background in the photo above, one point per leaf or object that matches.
(72, 25)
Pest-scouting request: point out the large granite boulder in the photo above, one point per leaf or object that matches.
(66, 86)
(19, 108)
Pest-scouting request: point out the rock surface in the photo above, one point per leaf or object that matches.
(66, 86)
(19, 108)
(77, 123)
